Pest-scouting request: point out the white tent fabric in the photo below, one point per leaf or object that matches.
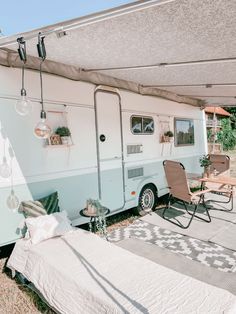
(151, 37)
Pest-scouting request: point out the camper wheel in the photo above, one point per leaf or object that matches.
(147, 199)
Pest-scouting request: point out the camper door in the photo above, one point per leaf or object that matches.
(109, 148)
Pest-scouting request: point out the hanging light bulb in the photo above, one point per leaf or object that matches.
(12, 201)
(5, 169)
(42, 129)
(23, 105)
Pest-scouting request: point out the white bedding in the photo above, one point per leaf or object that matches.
(81, 273)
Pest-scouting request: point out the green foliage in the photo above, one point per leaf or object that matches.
(195, 189)
(209, 135)
(94, 203)
(63, 131)
(232, 111)
(204, 161)
(227, 136)
(169, 133)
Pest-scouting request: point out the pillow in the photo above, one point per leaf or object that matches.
(50, 203)
(32, 209)
(48, 226)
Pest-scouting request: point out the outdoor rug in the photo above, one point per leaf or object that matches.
(181, 264)
(209, 254)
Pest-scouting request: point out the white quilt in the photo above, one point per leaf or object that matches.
(81, 273)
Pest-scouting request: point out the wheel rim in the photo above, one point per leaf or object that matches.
(147, 200)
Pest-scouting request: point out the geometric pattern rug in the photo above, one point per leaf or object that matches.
(207, 253)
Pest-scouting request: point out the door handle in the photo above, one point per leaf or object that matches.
(102, 138)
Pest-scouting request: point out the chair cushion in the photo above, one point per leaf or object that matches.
(50, 203)
(32, 209)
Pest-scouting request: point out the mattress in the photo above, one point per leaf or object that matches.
(82, 273)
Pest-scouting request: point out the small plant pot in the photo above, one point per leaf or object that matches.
(207, 172)
(166, 138)
(171, 139)
(65, 140)
(91, 209)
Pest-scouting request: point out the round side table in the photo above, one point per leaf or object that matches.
(97, 220)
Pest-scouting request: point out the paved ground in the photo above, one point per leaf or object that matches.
(232, 155)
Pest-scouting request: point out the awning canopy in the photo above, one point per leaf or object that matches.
(184, 47)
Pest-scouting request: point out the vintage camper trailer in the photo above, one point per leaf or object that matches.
(115, 153)
(109, 95)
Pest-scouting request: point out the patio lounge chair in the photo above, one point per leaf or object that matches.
(220, 164)
(179, 191)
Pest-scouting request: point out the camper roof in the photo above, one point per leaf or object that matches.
(183, 47)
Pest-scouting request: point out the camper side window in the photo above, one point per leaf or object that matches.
(184, 132)
(142, 125)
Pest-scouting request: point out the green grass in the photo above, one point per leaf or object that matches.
(40, 305)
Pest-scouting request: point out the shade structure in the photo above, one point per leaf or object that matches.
(184, 47)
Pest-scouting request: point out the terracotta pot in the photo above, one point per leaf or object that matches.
(166, 138)
(207, 172)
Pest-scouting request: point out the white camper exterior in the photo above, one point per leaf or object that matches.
(107, 158)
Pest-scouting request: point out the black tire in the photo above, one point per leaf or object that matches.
(147, 199)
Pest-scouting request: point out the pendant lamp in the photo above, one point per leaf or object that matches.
(42, 129)
(5, 169)
(23, 105)
(12, 200)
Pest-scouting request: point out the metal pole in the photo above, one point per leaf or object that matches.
(214, 124)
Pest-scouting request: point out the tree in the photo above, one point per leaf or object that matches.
(232, 111)
(227, 135)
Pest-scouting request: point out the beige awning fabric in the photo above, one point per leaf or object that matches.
(182, 50)
(10, 58)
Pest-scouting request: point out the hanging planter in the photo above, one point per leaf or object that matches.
(168, 137)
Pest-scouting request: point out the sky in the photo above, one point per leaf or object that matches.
(19, 16)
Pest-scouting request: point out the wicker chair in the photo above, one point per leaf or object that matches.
(179, 191)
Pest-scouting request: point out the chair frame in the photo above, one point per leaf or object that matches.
(171, 200)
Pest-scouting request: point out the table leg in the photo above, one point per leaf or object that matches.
(91, 224)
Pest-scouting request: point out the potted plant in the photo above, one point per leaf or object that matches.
(205, 163)
(168, 136)
(64, 133)
(93, 206)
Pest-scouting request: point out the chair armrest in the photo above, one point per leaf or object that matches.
(199, 193)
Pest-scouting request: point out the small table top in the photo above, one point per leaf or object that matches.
(102, 212)
(226, 180)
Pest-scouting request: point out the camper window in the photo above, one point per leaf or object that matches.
(184, 132)
(142, 125)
